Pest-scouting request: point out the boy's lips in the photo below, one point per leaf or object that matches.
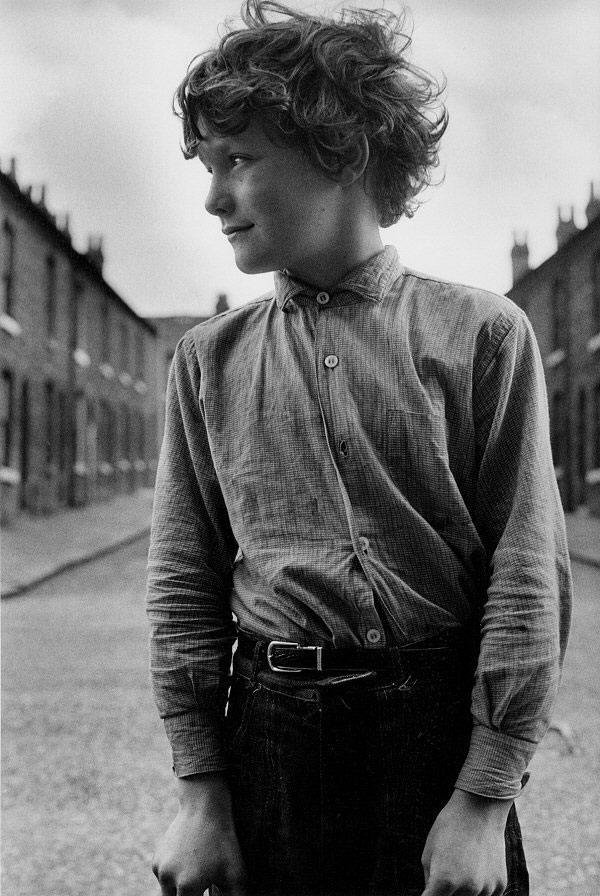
(232, 229)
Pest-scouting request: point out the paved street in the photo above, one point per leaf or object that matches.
(87, 784)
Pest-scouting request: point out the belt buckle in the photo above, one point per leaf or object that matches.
(294, 646)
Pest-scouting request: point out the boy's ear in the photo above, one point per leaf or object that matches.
(355, 163)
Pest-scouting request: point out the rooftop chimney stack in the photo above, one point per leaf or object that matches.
(592, 209)
(12, 173)
(95, 253)
(520, 258)
(222, 303)
(565, 229)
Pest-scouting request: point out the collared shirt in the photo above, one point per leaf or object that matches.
(365, 466)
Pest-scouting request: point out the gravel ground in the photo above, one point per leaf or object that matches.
(87, 785)
(559, 808)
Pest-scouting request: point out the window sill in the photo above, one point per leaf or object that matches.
(9, 476)
(81, 358)
(594, 344)
(10, 325)
(555, 358)
(107, 371)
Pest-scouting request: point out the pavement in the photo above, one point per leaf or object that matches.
(34, 549)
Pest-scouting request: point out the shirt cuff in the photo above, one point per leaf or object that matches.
(196, 740)
(495, 764)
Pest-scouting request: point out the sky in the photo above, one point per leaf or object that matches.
(85, 107)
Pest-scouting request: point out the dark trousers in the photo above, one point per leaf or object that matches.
(337, 780)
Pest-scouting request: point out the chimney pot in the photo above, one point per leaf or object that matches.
(519, 257)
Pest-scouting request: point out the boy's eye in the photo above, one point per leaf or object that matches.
(236, 159)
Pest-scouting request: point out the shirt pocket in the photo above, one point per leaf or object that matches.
(416, 455)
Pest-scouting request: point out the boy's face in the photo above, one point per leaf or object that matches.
(277, 210)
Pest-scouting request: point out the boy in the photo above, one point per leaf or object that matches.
(356, 469)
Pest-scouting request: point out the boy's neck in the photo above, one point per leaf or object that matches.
(327, 270)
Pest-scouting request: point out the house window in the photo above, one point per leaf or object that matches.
(51, 421)
(140, 436)
(596, 294)
(140, 359)
(7, 266)
(25, 438)
(106, 434)
(124, 346)
(63, 445)
(558, 428)
(582, 434)
(78, 323)
(106, 330)
(125, 441)
(596, 425)
(6, 417)
(51, 295)
(560, 299)
(80, 433)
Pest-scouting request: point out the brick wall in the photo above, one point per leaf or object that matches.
(63, 378)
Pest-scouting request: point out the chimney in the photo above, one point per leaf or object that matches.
(222, 303)
(520, 258)
(566, 228)
(94, 252)
(12, 171)
(41, 200)
(592, 209)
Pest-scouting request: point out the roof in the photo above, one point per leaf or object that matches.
(563, 251)
(47, 221)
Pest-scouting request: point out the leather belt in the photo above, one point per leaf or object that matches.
(290, 657)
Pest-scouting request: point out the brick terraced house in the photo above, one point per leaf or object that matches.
(78, 368)
(562, 299)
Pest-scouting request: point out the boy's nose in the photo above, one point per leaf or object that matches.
(218, 200)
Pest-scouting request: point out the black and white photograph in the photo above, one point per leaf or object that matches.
(300, 447)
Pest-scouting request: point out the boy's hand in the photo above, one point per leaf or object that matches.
(200, 848)
(465, 851)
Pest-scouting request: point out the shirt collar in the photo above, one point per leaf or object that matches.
(369, 280)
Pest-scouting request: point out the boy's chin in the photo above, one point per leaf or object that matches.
(253, 266)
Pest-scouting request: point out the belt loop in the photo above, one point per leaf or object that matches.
(256, 661)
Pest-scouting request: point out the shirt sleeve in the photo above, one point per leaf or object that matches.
(526, 615)
(190, 564)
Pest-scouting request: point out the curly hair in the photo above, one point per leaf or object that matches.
(319, 84)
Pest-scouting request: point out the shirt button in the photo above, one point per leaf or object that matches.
(373, 636)
(364, 543)
(322, 298)
(331, 361)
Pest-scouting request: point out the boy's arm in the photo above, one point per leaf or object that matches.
(200, 848)
(526, 615)
(525, 618)
(189, 578)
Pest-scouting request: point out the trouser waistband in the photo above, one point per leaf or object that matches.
(448, 649)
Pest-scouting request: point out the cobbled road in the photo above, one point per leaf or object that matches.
(86, 772)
